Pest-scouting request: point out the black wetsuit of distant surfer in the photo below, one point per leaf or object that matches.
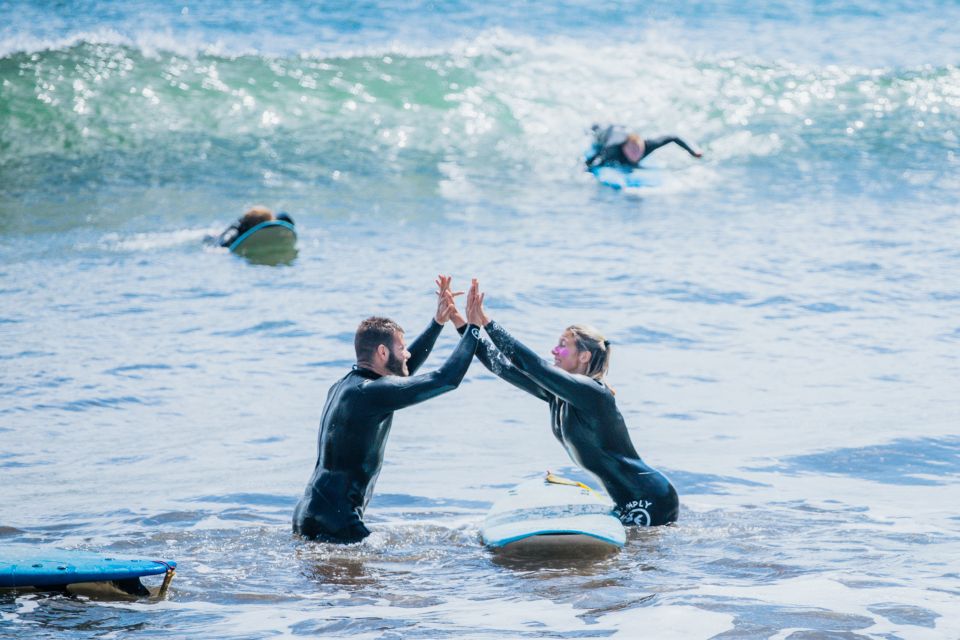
(585, 419)
(354, 427)
(608, 147)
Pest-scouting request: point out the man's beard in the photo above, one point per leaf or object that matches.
(396, 366)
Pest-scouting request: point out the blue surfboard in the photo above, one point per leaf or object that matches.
(266, 237)
(25, 566)
(620, 177)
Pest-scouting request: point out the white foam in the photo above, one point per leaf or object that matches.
(477, 618)
(827, 594)
(25, 605)
(150, 241)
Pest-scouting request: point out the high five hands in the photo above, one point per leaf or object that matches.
(475, 313)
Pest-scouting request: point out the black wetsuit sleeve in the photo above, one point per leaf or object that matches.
(649, 146)
(580, 391)
(229, 234)
(499, 366)
(421, 347)
(595, 157)
(390, 393)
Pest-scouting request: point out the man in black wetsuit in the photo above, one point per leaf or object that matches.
(583, 415)
(614, 145)
(358, 414)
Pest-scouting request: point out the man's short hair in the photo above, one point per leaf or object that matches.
(373, 332)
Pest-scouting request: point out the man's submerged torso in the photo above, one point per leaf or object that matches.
(351, 445)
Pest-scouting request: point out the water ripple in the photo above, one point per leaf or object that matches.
(643, 335)
(918, 461)
(91, 403)
(825, 307)
(127, 370)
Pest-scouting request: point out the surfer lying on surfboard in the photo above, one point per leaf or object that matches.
(358, 415)
(583, 412)
(614, 145)
(256, 215)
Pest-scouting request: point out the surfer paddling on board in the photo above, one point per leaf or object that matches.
(359, 410)
(256, 215)
(583, 412)
(614, 145)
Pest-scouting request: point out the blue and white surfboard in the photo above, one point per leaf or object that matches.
(552, 511)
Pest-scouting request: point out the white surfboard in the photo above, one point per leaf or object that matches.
(550, 512)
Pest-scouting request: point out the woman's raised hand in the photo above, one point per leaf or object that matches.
(475, 312)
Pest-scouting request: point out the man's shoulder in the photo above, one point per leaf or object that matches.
(346, 383)
(357, 380)
(346, 394)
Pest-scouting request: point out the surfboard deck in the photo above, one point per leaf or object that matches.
(25, 566)
(539, 514)
(266, 237)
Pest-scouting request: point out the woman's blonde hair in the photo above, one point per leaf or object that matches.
(589, 339)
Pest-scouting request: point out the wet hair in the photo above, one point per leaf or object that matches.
(589, 339)
(373, 332)
(253, 217)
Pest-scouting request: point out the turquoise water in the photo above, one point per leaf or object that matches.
(783, 312)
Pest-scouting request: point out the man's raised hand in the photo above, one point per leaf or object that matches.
(446, 307)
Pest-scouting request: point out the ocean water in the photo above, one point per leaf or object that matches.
(784, 313)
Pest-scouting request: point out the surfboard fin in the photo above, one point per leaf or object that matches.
(167, 578)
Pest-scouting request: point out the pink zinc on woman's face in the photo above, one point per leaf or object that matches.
(565, 353)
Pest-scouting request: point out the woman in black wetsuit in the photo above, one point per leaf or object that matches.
(584, 415)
